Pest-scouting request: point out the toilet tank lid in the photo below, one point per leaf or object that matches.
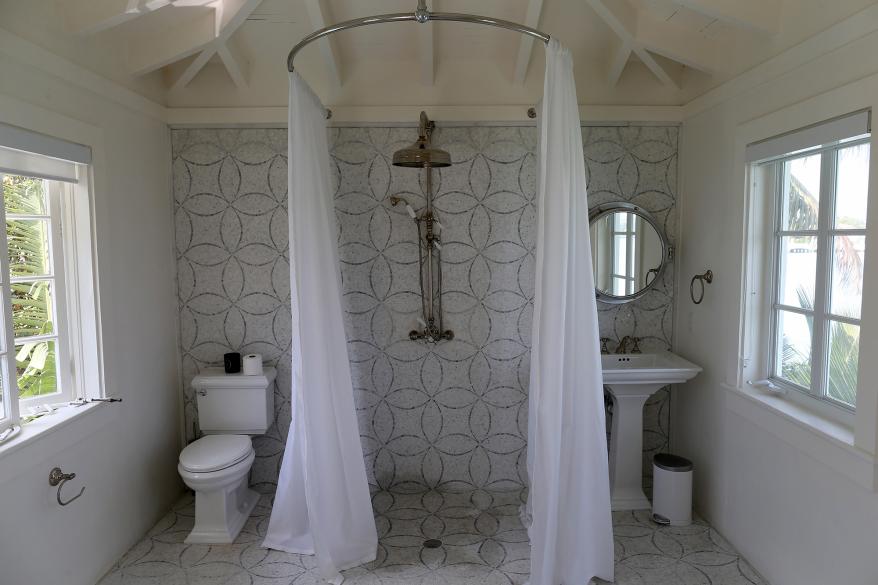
(218, 378)
(214, 452)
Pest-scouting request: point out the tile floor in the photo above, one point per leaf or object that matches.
(483, 543)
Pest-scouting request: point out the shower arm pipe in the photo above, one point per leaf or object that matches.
(421, 15)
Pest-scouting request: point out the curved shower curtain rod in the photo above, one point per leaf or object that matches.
(422, 15)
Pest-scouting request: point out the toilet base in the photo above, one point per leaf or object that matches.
(220, 514)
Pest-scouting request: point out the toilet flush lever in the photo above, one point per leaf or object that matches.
(59, 478)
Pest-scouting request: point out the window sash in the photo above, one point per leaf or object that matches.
(10, 414)
(63, 375)
(825, 233)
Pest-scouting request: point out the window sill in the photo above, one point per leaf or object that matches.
(64, 427)
(828, 441)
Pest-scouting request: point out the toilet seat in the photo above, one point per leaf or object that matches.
(215, 453)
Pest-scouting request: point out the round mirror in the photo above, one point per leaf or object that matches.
(628, 251)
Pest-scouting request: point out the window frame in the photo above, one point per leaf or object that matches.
(629, 233)
(78, 350)
(817, 395)
(55, 192)
(10, 414)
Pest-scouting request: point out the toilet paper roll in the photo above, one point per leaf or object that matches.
(252, 363)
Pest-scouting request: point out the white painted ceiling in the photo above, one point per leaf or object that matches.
(232, 53)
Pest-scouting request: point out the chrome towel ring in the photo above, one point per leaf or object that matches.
(701, 278)
(59, 478)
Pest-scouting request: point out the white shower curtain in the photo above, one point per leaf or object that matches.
(322, 505)
(570, 528)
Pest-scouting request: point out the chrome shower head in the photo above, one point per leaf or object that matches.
(421, 154)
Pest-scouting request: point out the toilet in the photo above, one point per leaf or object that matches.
(231, 408)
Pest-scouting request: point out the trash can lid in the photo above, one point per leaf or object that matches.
(670, 462)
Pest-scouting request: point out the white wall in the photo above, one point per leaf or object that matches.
(125, 454)
(794, 517)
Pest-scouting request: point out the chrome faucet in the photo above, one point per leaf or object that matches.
(623, 345)
(635, 345)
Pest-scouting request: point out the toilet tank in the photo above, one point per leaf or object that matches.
(234, 403)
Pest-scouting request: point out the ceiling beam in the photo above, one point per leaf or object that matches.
(622, 18)
(617, 63)
(327, 45)
(206, 37)
(762, 16)
(236, 63)
(171, 44)
(193, 69)
(526, 42)
(677, 43)
(86, 17)
(647, 36)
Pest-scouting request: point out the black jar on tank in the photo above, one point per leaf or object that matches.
(232, 363)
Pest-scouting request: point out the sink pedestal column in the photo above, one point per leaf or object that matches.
(626, 445)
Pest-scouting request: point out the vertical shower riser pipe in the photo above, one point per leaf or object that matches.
(428, 220)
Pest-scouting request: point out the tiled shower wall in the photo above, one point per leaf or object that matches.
(451, 415)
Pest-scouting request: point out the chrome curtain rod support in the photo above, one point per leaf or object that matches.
(421, 15)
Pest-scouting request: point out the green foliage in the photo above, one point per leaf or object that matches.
(31, 301)
(844, 352)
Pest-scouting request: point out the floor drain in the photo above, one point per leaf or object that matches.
(432, 543)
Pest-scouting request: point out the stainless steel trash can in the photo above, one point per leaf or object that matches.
(671, 490)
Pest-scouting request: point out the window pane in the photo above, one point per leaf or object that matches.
(32, 308)
(621, 222)
(797, 271)
(793, 360)
(852, 187)
(848, 254)
(801, 193)
(619, 286)
(24, 195)
(28, 246)
(620, 260)
(844, 351)
(35, 367)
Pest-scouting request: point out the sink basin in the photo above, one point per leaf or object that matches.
(647, 368)
(631, 379)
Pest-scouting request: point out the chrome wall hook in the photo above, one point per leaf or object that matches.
(59, 478)
(701, 278)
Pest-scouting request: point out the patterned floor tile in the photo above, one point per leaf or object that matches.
(483, 543)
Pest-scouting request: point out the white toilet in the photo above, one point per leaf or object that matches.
(231, 407)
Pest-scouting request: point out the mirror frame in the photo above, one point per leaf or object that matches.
(599, 211)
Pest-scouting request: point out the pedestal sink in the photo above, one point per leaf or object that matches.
(631, 379)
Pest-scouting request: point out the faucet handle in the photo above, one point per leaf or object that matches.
(604, 342)
(635, 348)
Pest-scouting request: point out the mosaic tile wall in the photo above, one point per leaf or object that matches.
(451, 415)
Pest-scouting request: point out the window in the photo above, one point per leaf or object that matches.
(35, 288)
(48, 325)
(624, 236)
(815, 247)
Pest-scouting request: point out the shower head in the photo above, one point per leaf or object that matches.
(421, 154)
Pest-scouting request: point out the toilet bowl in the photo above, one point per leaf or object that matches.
(217, 468)
(231, 407)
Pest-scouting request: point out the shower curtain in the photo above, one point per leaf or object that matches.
(568, 507)
(322, 505)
